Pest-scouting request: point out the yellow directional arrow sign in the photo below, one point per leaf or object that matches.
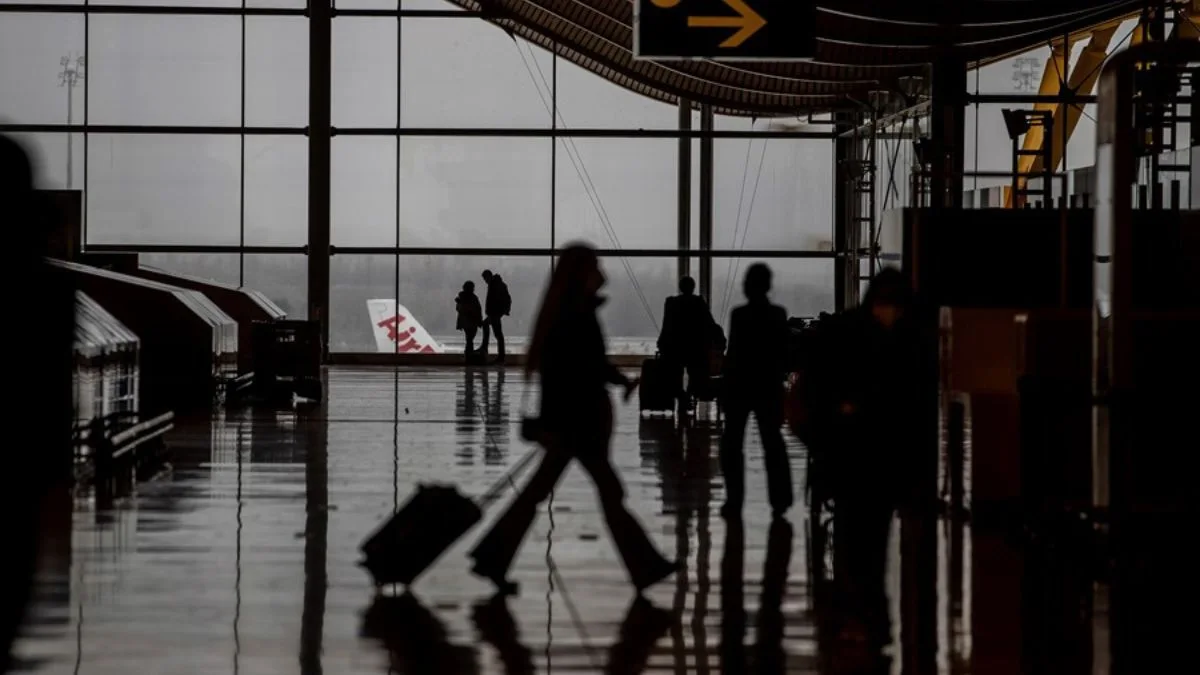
(747, 21)
(724, 30)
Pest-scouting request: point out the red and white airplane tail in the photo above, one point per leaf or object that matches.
(397, 331)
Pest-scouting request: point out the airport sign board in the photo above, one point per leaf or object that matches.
(724, 30)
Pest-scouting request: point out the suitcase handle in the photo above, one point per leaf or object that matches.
(509, 478)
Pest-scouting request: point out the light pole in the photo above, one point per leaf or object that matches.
(73, 71)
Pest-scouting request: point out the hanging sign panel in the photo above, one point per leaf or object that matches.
(725, 30)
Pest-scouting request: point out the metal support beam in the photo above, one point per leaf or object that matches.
(845, 275)
(684, 207)
(948, 119)
(706, 201)
(320, 28)
(1080, 82)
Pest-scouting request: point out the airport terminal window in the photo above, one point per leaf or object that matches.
(163, 189)
(364, 72)
(804, 287)
(32, 50)
(465, 72)
(474, 192)
(618, 193)
(164, 70)
(470, 186)
(221, 267)
(427, 287)
(355, 279)
(588, 101)
(276, 194)
(772, 194)
(276, 71)
(363, 191)
(281, 277)
(49, 154)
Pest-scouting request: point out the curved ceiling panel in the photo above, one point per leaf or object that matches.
(862, 45)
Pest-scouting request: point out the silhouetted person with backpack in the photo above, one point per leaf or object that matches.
(470, 316)
(686, 337)
(755, 366)
(497, 306)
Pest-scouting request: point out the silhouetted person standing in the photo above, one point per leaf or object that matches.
(576, 421)
(495, 308)
(470, 316)
(754, 374)
(686, 337)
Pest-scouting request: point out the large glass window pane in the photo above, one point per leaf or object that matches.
(282, 278)
(170, 70)
(276, 71)
(363, 191)
(171, 3)
(364, 72)
(587, 100)
(41, 2)
(466, 72)
(353, 280)
(40, 56)
(772, 194)
(427, 288)
(276, 196)
(618, 192)
(220, 267)
(475, 192)
(636, 291)
(162, 189)
(804, 287)
(49, 154)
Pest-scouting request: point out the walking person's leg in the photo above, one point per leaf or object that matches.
(769, 414)
(733, 461)
(645, 565)
(493, 555)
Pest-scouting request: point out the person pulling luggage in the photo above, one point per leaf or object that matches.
(568, 355)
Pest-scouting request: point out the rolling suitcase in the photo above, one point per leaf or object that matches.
(430, 522)
(656, 393)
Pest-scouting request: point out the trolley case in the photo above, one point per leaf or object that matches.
(413, 539)
(656, 393)
(418, 534)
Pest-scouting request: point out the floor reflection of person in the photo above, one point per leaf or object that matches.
(754, 375)
(576, 419)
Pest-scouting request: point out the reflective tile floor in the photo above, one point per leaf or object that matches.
(241, 558)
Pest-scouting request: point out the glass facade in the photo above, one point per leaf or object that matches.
(454, 148)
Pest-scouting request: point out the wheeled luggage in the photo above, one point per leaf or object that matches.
(656, 393)
(418, 534)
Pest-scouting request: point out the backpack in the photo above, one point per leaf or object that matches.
(505, 300)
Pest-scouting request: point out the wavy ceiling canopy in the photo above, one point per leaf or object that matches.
(862, 45)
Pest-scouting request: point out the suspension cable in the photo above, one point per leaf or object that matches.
(585, 177)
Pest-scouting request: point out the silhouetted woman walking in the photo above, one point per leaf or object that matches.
(568, 355)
